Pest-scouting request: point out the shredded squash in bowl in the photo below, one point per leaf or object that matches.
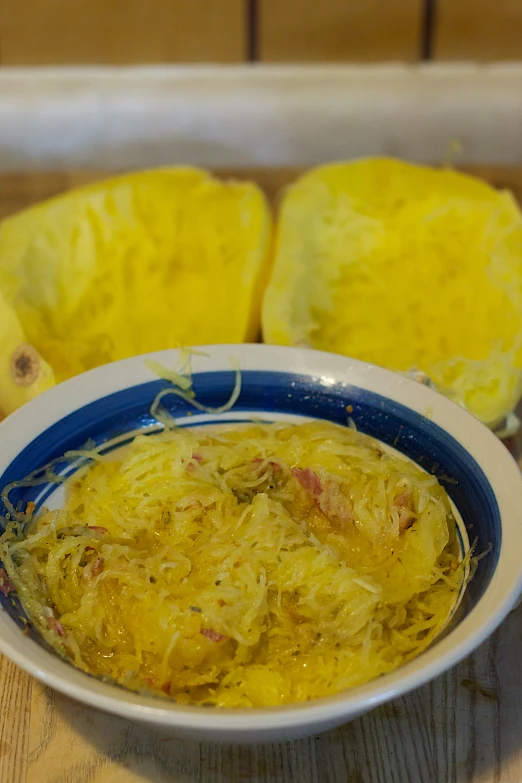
(241, 566)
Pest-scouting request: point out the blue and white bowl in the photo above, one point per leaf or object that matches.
(111, 404)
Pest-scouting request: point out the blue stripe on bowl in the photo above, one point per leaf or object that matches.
(276, 392)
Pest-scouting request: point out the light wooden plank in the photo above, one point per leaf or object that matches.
(70, 743)
(56, 32)
(478, 30)
(308, 30)
(15, 714)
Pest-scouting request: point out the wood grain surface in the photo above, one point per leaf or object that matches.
(464, 727)
(477, 30)
(67, 32)
(338, 30)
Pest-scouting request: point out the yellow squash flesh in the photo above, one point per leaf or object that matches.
(139, 263)
(409, 268)
(23, 372)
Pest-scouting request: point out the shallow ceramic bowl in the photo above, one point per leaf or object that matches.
(111, 403)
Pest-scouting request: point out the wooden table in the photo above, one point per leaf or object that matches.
(464, 727)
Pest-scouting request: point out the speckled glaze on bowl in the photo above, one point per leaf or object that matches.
(110, 404)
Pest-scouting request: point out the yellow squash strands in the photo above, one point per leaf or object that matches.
(135, 264)
(246, 566)
(406, 267)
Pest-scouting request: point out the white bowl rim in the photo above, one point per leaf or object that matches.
(502, 472)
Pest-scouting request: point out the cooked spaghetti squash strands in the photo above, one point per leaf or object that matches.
(222, 566)
(406, 267)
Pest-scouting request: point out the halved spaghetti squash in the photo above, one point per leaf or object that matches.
(407, 267)
(142, 262)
